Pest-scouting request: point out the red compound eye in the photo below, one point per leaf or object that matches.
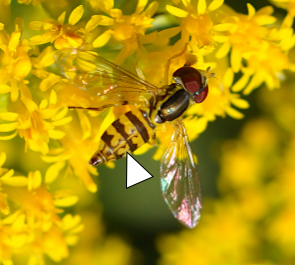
(191, 79)
(201, 96)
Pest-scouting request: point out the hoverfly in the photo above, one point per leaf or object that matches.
(112, 86)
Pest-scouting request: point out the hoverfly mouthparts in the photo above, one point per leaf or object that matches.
(192, 81)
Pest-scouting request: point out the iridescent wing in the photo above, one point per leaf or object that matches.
(108, 83)
(180, 180)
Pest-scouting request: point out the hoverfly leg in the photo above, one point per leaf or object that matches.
(153, 140)
(137, 68)
(166, 74)
(95, 109)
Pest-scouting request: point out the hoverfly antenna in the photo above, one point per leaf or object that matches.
(166, 73)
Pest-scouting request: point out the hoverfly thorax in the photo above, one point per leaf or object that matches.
(194, 82)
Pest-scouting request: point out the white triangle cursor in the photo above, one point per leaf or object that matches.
(136, 173)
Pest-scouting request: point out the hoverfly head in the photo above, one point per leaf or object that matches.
(193, 81)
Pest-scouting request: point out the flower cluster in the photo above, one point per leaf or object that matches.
(244, 52)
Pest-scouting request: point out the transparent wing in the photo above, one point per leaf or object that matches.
(180, 180)
(103, 79)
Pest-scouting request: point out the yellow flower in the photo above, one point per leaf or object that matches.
(36, 124)
(15, 62)
(222, 238)
(27, 2)
(63, 35)
(34, 101)
(126, 29)
(288, 5)
(76, 151)
(40, 65)
(250, 40)
(33, 226)
(196, 22)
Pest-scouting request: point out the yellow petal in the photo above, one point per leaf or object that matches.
(186, 3)
(234, 113)
(62, 121)
(143, 149)
(74, 41)
(22, 68)
(56, 134)
(251, 10)
(2, 158)
(51, 159)
(202, 6)
(66, 202)
(61, 114)
(93, 22)
(4, 208)
(255, 82)
(53, 171)
(9, 116)
(106, 21)
(168, 33)
(220, 38)
(152, 8)
(228, 78)
(215, 4)
(53, 97)
(8, 137)
(8, 127)
(61, 18)
(47, 57)
(116, 13)
(265, 20)
(36, 25)
(140, 6)
(223, 50)
(7, 175)
(176, 11)
(4, 89)
(19, 222)
(235, 59)
(16, 181)
(102, 39)
(77, 229)
(241, 83)
(72, 240)
(43, 104)
(76, 15)
(49, 82)
(70, 221)
(107, 4)
(223, 26)
(34, 180)
(240, 103)
(14, 41)
(30, 104)
(85, 125)
(41, 39)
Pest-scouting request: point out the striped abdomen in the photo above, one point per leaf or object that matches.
(129, 132)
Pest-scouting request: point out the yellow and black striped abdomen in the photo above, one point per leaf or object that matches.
(129, 132)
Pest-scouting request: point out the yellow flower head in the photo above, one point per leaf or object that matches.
(34, 217)
(63, 35)
(196, 22)
(235, 53)
(15, 61)
(30, 121)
